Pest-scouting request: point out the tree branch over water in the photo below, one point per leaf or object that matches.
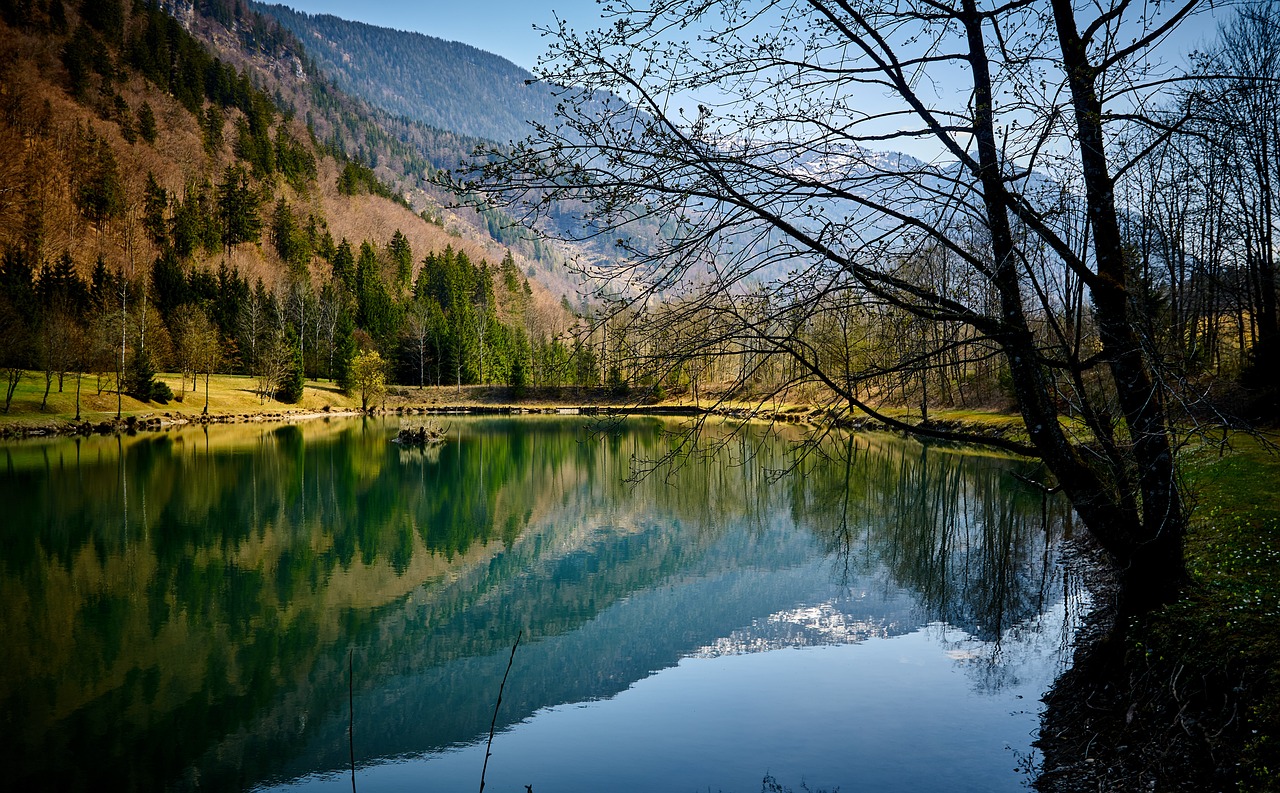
(763, 236)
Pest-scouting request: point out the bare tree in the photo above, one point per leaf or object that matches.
(208, 352)
(300, 304)
(54, 344)
(418, 331)
(188, 326)
(1240, 103)
(325, 316)
(755, 157)
(274, 360)
(14, 340)
(253, 324)
(102, 346)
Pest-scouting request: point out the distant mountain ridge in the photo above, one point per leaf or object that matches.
(446, 84)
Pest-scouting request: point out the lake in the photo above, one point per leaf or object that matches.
(211, 608)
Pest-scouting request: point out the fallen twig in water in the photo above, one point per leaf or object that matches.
(488, 749)
(351, 714)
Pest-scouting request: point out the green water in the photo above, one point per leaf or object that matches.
(180, 610)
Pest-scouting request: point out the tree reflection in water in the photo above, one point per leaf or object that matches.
(210, 584)
(975, 542)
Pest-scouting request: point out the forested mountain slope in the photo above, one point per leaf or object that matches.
(446, 84)
(183, 191)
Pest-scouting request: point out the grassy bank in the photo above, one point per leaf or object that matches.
(236, 395)
(1188, 698)
(227, 394)
(1228, 626)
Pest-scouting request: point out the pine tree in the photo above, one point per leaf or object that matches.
(344, 352)
(97, 190)
(238, 205)
(147, 123)
(155, 203)
(401, 255)
(344, 267)
(169, 286)
(139, 376)
(291, 386)
(106, 16)
(291, 243)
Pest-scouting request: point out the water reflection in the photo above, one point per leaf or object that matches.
(179, 607)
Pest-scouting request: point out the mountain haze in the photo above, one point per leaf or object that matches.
(446, 84)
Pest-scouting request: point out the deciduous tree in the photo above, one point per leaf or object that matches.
(369, 374)
(725, 146)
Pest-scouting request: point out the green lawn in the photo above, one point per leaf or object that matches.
(1230, 621)
(1201, 677)
(227, 394)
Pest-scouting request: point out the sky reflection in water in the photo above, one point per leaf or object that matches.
(690, 632)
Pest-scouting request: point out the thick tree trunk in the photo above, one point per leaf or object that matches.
(1143, 535)
(1148, 551)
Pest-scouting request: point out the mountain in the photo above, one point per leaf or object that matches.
(186, 165)
(445, 84)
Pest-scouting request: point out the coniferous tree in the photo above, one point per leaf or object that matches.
(211, 127)
(196, 221)
(105, 16)
(344, 267)
(155, 204)
(401, 255)
(169, 288)
(291, 385)
(97, 190)
(83, 56)
(139, 376)
(147, 123)
(521, 366)
(238, 205)
(101, 286)
(226, 310)
(289, 239)
(376, 312)
(344, 351)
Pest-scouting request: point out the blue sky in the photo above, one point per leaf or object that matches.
(504, 27)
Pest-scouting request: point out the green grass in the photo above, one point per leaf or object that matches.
(234, 394)
(1226, 631)
(227, 394)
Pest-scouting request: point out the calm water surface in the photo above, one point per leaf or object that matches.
(180, 611)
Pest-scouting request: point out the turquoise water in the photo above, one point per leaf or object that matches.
(183, 608)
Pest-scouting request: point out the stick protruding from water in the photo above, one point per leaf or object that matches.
(488, 749)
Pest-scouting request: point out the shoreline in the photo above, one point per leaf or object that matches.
(1106, 721)
(233, 401)
(19, 428)
(153, 422)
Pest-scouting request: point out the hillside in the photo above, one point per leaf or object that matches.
(445, 84)
(185, 191)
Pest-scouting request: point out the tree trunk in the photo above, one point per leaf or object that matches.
(1148, 550)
